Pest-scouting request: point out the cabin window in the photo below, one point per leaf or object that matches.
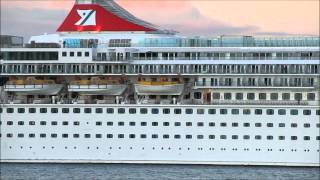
(189, 111)
(110, 110)
(223, 111)
(154, 136)
(282, 112)
(132, 111)
(98, 110)
(21, 110)
(235, 111)
(87, 110)
(177, 111)
(54, 110)
(270, 111)
(166, 111)
(212, 111)
(154, 111)
(76, 110)
(71, 54)
(307, 112)
(143, 123)
(246, 111)
(10, 110)
(121, 110)
(143, 111)
(294, 112)
(65, 110)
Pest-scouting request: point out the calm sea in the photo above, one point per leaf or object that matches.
(150, 172)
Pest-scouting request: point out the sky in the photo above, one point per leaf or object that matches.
(189, 17)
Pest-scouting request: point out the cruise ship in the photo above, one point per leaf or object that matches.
(109, 87)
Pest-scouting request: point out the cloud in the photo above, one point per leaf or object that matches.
(28, 18)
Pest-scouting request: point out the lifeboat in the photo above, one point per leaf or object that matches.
(33, 86)
(158, 88)
(97, 86)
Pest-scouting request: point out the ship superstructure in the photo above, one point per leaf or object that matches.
(112, 88)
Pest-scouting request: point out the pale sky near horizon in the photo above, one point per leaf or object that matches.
(196, 17)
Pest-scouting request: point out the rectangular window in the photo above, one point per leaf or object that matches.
(235, 111)
(143, 111)
(21, 110)
(250, 96)
(223, 124)
(154, 123)
(43, 135)
(132, 123)
(79, 54)
(262, 96)
(239, 96)
(177, 111)
(188, 123)
(98, 135)
(65, 110)
(154, 136)
(294, 138)
(54, 135)
(257, 137)
(282, 125)
(121, 123)
(258, 111)
(200, 111)
(189, 111)
(235, 124)
(154, 111)
(166, 111)
(32, 123)
(270, 111)
(98, 123)
(285, 96)
(110, 110)
(281, 137)
(20, 135)
(99, 110)
(257, 124)
(143, 136)
(132, 111)
(211, 136)
(223, 111)
(43, 123)
(109, 123)
(200, 124)
(294, 112)
(246, 111)
(246, 124)
(54, 110)
(307, 112)
(43, 110)
(76, 110)
(143, 123)
(109, 136)
(120, 136)
(211, 124)
(76, 135)
(211, 111)
(87, 135)
(54, 123)
(223, 137)
(65, 123)
(121, 110)
(10, 110)
(177, 136)
(274, 96)
(282, 112)
(32, 110)
(87, 110)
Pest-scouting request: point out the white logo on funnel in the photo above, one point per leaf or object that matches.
(88, 18)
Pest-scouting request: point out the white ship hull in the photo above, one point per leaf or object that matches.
(132, 148)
